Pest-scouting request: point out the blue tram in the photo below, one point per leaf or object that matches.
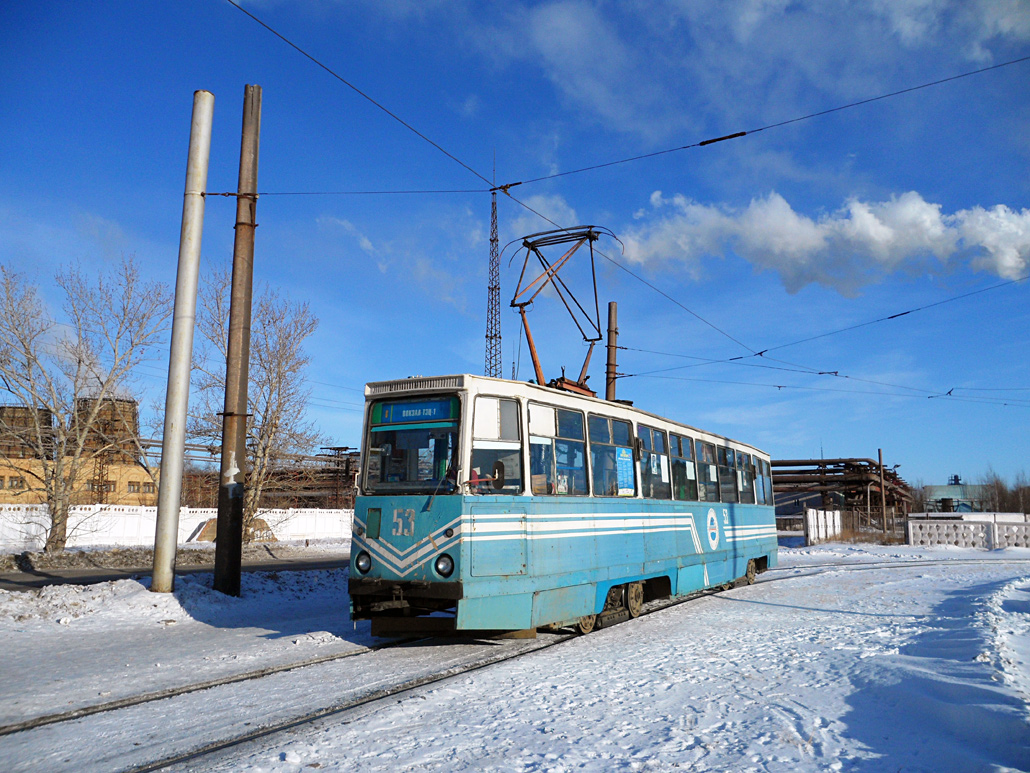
(489, 505)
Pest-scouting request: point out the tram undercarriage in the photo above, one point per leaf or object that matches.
(414, 607)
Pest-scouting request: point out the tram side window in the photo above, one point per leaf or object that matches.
(684, 476)
(727, 474)
(746, 476)
(557, 453)
(760, 482)
(496, 466)
(770, 498)
(707, 473)
(655, 480)
(611, 457)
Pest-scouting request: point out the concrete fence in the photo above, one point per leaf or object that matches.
(986, 531)
(23, 527)
(821, 525)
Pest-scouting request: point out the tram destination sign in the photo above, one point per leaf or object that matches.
(416, 411)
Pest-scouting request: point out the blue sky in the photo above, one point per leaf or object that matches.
(777, 236)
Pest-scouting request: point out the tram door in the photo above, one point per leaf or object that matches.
(498, 541)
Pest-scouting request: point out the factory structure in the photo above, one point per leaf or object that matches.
(120, 467)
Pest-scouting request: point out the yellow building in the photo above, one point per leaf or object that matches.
(112, 473)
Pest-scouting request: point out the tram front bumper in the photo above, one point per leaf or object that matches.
(373, 597)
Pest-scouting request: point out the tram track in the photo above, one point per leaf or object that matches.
(859, 565)
(365, 700)
(174, 692)
(408, 686)
(651, 608)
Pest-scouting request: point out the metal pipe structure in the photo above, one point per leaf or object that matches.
(232, 477)
(883, 494)
(613, 338)
(853, 479)
(539, 371)
(180, 356)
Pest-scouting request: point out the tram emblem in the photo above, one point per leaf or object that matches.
(713, 529)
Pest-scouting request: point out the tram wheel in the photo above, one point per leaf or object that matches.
(586, 624)
(752, 570)
(635, 598)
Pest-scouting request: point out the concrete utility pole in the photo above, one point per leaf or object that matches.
(177, 394)
(613, 338)
(233, 474)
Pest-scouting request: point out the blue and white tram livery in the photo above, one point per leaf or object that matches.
(488, 505)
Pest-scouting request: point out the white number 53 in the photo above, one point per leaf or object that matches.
(403, 523)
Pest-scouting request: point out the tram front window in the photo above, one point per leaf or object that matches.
(412, 457)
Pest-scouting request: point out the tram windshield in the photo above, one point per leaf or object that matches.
(412, 446)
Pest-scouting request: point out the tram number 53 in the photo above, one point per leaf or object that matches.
(403, 523)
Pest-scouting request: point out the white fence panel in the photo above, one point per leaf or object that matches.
(985, 531)
(23, 527)
(821, 525)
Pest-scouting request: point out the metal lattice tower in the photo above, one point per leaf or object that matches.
(493, 304)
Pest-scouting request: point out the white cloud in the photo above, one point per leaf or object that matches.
(912, 21)
(858, 244)
(1004, 235)
(990, 20)
(585, 57)
(470, 107)
(363, 241)
(554, 208)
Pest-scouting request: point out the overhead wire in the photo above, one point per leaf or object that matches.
(931, 394)
(880, 393)
(358, 91)
(636, 276)
(806, 369)
(894, 316)
(506, 190)
(767, 127)
(349, 193)
(802, 370)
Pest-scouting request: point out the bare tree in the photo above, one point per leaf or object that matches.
(918, 497)
(61, 378)
(277, 395)
(993, 491)
(1020, 495)
(998, 496)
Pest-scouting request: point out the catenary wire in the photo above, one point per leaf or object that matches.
(754, 353)
(893, 316)
(702, 143)
(987, 401)
(736, 135)
(229, 194)
(636, 276)
(620, 161)
(930, 393)
(358, 91)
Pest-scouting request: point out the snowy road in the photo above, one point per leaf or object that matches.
(917, 667)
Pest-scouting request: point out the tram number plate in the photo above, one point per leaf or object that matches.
(403, 523)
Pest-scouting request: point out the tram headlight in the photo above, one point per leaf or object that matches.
(363, 562)
(444, 565)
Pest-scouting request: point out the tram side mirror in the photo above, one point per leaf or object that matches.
(498, 474)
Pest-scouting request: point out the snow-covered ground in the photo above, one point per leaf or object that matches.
(895, 665)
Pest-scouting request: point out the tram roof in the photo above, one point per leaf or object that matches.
(414, 385)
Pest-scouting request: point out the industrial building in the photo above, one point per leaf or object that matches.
(873, 495)
(956, 497)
